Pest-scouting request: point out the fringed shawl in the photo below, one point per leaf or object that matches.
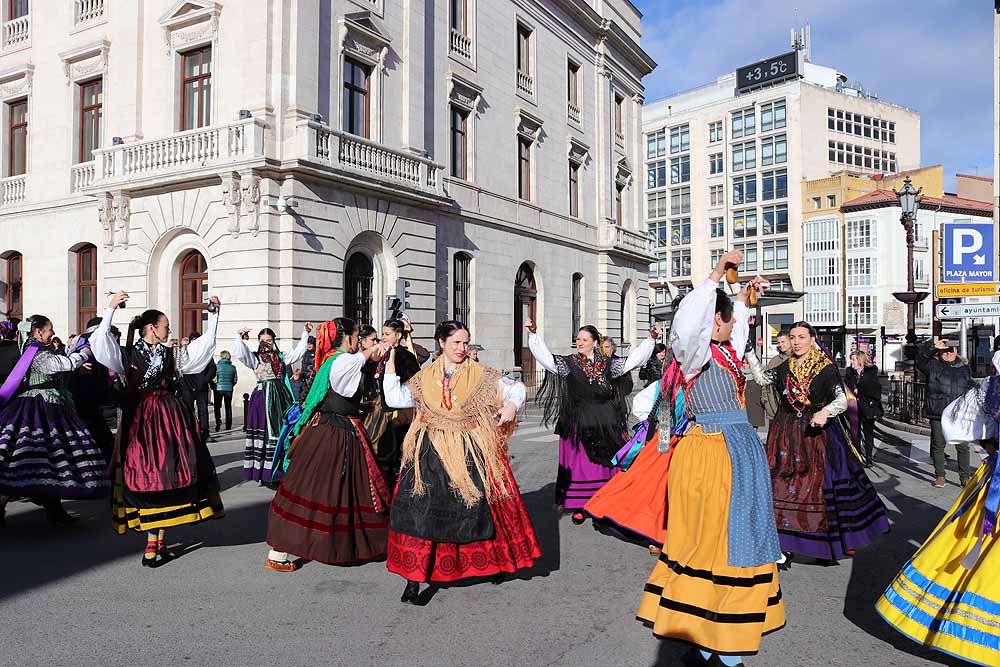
(466, 433)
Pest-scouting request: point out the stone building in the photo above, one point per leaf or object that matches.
(305, 160)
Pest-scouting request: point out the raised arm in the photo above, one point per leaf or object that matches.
(106, 349)
(396, 394)
(300, 349)
(50, 363)
(691, 332)
(345, 373)
(540, 351)
(243, 353)
(637, 357)
(200, 351)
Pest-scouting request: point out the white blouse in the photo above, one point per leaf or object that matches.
(345, 373)
(693, 324)
(51, 363)
(107, 351)
(399, 395)
(640, 355)
(248, 357)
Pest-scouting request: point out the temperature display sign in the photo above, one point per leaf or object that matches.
(767, 71)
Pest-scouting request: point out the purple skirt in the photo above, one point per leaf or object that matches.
(47, 452)
(579, 478)
(855, 515)
(268, 404)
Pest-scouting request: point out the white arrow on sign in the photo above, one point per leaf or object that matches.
(953, 311)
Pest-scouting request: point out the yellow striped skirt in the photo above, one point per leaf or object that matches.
(693, 594)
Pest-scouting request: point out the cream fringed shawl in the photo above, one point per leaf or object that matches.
(467, 432)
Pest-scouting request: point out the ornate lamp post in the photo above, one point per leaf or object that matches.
(909, 202)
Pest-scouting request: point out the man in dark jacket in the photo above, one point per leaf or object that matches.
(948, 377)
(196, 388)
(91, 387)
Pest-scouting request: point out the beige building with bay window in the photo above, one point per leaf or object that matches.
(305, 160)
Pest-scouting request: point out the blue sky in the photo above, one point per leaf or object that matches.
(935, 56)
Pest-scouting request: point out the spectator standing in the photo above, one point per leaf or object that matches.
(862, 378)
(948, 377)
(298, 385)
(652, 370)
(225, 383)
(197, 386)
(769, 396)
(309, 358)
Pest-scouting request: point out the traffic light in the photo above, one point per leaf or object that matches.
(399, 303)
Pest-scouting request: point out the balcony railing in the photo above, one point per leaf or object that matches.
(82, 176)
(13, 190)
(573, 111)
(461, 44)
(16, 32)
(615, 237)
(370, 159)
(525, 83)
(181, 153)
(88, 11)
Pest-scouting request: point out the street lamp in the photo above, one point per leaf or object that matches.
(909, 202)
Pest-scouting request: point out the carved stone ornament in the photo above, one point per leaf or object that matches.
(527, 124)
(623, 174)
(463, 93)
(190, 21)
(17, 80)
(250, 193)
(363, 36)
(86, 60)
(123, 215)
(231, 198)
(576, 150)
(106, 217)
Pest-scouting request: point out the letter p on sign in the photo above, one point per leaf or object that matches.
(967, 242)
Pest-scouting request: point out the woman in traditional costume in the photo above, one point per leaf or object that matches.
(162, 471)
(584, 396)
(825, 505)
(270, 398)
(46, 452)
(458, 511)
(947, 596)
(715, 584)
(332, 505)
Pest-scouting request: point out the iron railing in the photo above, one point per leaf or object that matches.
(906, 401)
(533, 380)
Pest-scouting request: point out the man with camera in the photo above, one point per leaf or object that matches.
(948, 377)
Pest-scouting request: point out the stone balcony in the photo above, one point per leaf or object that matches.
(13, 190)
(82, 176)
(177, 158)
(17, 33)
(525, 83)
(87, 13)
(634, 244)
(369, 163)
(573, 112)
(461, 44)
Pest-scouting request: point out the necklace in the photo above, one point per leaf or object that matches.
(593, 370)
(447, 389)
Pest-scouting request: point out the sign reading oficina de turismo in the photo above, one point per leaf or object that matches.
(968, 252)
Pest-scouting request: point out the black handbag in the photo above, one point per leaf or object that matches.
(870, 408)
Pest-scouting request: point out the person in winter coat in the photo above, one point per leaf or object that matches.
(652, 371)
(225, 383)
(769, 397)
(862, 379)
(948, 377)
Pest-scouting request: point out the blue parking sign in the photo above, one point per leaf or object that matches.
(968, 252)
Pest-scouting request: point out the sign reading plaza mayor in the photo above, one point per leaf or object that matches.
(785, 66)
(968, 252)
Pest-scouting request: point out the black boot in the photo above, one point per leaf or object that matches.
(55, 513)
(411, 592)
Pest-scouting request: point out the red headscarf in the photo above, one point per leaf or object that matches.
(325, 336)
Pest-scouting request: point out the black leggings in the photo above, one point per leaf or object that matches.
(227, 398)
(867, 437)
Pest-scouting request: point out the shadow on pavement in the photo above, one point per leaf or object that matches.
(875, 566)
(675, 653)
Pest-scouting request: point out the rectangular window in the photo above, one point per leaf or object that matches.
(774, 255)
(822, 235)
(459, 21)
(619, 116)
(17, 138)
(749, 256)
(716, 132)
(715, 163)
(817, 203)
(619, 204)
(717, 196)
(680, 139)
(750, 155)
(356, 99)
(775, 219)
(15, 288)
(744, 189)
(196, 89)
(680, 169)
(523, 50)
(577, 313)
(767, 151)
(680, 201)
(862, 272)
(658, 230)
(459, 143)
(745, 223)
(17, 9)
(680, 231)
(716, 256)
(462, 287)
(86, 286)
(822, 272)
(831, 201)
(91, 114)
(743, 123)
(772, 116)
(524, 168)
(656, 174)
(656, 204)
(774, 184)
(718, 229)
(574, 190)
(780, 149)
(656, 144)
(680, 263)
(573, 84)
(861, 234)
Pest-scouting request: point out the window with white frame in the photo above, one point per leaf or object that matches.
(717, 226)
(716, 195)
(774, 255)
(862, 272)
(744, 189)
(919, 270)
(658, 230)
(680, 138)
(656, 144)
(743, 123)
(823, 307)
(661, 296)
(656, 204)
(749, 256)
(745, 223)
(772, 116)
(775, 219)
(716, 132)
(861, 234)
(862, 309)
(822, 235)
(680, 263)
(656, 174)
(774, 184)
(680, 231)
(716, 163)
(822, 271)
(716, 256)
(773, 150)
(680, 200)
(744, 156)
(680, 169)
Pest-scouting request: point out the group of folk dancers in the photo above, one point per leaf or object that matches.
(388, 459)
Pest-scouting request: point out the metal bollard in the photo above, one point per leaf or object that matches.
(246, 410)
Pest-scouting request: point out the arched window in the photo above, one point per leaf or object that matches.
(525, 296)
(577, 304)
(462, 288)
(15, 271)
(359, 275)
(86, 285)
(194, 293)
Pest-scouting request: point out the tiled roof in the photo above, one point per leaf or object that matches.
(975, 178)
(887, 198)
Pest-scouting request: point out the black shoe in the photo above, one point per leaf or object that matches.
(410, 593)
(497, 578)
(217, 428)
(578, 518)
(57, 516)
(716, 661)
(789, 557)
